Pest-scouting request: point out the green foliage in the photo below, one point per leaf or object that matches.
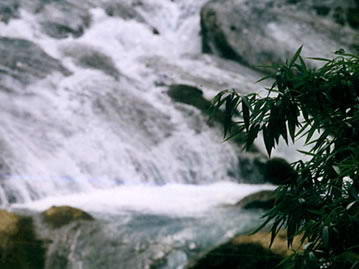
(321, 201)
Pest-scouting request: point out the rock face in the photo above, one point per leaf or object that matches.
(257, 32)
(58, 216)
(247, 252)
(258, 200)
(19, 247)
(23, 62)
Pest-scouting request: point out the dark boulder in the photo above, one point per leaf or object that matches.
(189, 95)
(58, 216)
(278, 171)
(23, 62)
(257, 32)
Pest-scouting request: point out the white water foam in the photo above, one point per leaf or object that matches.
(171, 199)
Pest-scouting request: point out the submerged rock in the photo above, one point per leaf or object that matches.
(266, 32)
(23, 62)
(63, 19)
(89, 57)
(19, 247)
(58, 216)
(122, 10)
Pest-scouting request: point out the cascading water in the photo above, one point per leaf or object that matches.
(107, 123)
(100, 133)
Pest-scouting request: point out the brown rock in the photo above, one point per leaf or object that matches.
(280, 245)
(19, 247)
(58, 216)
(246, 252)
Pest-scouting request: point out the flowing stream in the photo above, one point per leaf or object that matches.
(104, 136)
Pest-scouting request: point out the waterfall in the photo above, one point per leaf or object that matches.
(106, 120)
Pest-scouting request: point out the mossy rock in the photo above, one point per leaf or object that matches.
(247, 252)
(259, 200)
(279, 246)
(58, 216)
(243, 256)
(19, 248)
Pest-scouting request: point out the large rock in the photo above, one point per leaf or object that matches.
(58, 216)
(23, 62)
(263, 32)
(247, 252)
(19, 247)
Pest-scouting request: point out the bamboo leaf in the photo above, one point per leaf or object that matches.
(295, 57)
(268, 140)
(245, 111)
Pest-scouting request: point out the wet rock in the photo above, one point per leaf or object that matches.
(126, 12)
(23, 62)
(19, 247)
(259, 200)
(64, 19)
(88, 57)
(58, 216)
(189, 95)
(262, 32)
(8, 9)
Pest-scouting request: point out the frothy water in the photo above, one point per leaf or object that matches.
(170, 199)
